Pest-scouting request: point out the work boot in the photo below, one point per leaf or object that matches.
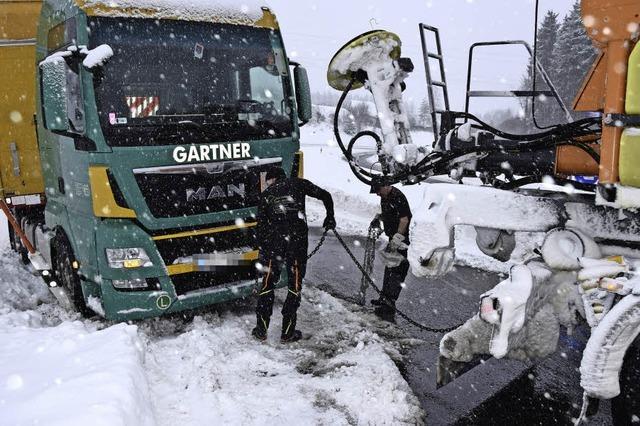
(292, 337)
(378, 302)
(386, 311)
(259, 333)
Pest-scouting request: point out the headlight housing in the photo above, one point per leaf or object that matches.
(128, 258)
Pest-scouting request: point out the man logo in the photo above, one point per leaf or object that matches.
(216, 192)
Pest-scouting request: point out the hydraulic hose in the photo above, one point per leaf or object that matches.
(439, 161)
(360, 174)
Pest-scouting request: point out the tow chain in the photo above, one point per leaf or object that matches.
(320, 243)
(369, 260)
(366, 278)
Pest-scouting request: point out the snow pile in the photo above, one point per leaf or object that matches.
(19, 290)
(56, 370)
(342, 374)
(68, 375)
(244, 12)
(97, 57)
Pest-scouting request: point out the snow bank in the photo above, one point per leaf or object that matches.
(244, 12)
(19, 289)
(215, 372)
(57, 371)
(68, 375)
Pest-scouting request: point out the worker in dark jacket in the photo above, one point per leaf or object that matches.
(396, 217)
(283, 241)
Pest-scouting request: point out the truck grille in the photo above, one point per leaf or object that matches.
(193, 189)
(173, 248)
(186, 283)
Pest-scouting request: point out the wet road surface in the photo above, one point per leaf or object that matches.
(496, 392)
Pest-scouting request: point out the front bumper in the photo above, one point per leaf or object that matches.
(126, 306)
(173, 283)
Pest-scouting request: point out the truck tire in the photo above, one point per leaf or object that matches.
(67, 276)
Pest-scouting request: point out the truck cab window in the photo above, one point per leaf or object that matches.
(59, 39)
(75, 104)
(174, 83)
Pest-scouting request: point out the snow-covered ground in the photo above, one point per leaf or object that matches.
(58, 369)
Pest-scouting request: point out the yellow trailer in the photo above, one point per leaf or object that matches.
(20, 169)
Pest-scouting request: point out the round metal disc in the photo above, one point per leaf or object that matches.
(339, 80)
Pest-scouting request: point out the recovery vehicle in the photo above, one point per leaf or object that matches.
(587, 262)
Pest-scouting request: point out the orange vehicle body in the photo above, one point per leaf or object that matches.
(613, 25)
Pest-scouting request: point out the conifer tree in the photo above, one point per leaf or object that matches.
(575, 55)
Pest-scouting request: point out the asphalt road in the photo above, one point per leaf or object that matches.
(495, 392)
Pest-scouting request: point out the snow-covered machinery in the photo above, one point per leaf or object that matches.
(592, 234)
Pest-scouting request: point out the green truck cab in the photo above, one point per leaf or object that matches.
(155, 127)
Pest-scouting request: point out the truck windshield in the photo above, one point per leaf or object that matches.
(175, 82)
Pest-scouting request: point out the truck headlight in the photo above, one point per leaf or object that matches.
(128, 258)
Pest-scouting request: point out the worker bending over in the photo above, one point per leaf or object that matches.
(396, 217)
(283, 241)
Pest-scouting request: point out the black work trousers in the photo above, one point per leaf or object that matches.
(393, 279)
(296, 268)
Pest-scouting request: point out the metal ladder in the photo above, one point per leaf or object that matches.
(430, 82)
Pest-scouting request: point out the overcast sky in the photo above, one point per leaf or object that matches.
(314, 30)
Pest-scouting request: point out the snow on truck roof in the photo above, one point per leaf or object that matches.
(243, 12)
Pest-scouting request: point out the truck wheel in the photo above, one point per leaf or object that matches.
(67, 276)
(625, 408)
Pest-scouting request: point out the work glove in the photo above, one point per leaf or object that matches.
(397, 242)
(390, 257)
(329, 223)
(375, 223)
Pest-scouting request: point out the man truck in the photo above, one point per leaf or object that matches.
(134, 140)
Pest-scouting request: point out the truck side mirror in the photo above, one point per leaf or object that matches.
(53, 86)
(303, 94)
